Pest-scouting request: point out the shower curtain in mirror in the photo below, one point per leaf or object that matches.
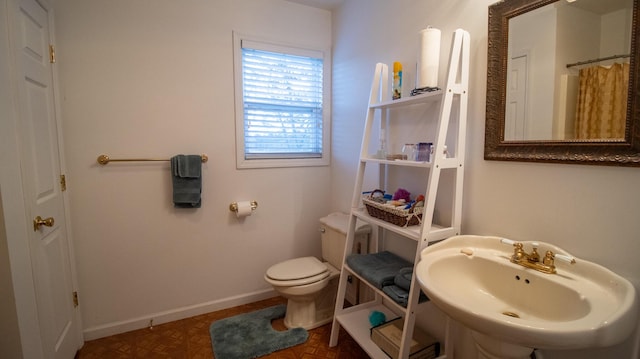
(602, 102)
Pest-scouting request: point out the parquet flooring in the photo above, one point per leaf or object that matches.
(189, 339)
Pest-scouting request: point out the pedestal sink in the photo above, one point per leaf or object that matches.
(512, 309)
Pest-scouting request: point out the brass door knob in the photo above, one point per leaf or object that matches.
(38, 221)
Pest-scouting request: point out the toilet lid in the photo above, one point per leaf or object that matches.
(296, 268)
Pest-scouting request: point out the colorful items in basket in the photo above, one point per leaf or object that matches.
(401, 197)
(397, 209)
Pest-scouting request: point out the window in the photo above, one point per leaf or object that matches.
(281, 105)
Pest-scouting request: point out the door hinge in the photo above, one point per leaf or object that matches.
(52, 54)
(63, 183)
(75, 299)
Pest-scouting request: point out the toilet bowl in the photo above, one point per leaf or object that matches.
(310, 285)
(304, 283)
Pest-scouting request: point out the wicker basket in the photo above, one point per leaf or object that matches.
(395, 215)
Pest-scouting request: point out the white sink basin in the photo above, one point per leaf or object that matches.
(472, 279)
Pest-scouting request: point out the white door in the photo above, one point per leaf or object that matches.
(515, 112)
(41, 176)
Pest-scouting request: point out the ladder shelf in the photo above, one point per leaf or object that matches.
(355, 319)
(444, 164)
(411, 232)
(408, 101)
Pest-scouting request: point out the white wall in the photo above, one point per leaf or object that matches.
(540, 48)
(154, 79)
(591, 211)
(614, 24)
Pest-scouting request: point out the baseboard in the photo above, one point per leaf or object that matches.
(106, 330)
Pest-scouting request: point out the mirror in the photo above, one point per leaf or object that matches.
(549, 62)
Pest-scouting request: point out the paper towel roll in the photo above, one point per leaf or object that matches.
(428, 58)
(244, 209)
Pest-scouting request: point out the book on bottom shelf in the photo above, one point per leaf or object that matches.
(388, 335)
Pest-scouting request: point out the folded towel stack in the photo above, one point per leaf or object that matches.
(403, 278)
(380, 268)
(186, 175)
(399, 291)
(398, 294)
(386, 271)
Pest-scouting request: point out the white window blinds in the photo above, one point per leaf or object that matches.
(282, 92)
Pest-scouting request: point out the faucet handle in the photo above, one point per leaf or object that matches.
(548, 259)
(507, 241)
(518, 252)
(565, 258)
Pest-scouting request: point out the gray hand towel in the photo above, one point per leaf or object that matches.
(379, 268)
(403, 278)
(186, 171)
(401, 296)
(398, 294)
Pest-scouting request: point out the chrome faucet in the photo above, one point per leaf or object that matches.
(532, 260)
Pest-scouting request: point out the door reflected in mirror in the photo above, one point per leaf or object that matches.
(568, 72)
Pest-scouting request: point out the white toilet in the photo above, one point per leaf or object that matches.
(310, 285)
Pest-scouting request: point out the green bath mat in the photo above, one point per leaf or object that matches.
(251, 335)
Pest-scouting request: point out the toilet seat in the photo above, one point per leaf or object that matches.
(297, 271)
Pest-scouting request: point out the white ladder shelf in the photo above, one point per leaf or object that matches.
(355, 319)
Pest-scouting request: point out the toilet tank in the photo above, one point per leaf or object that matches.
(333, 229)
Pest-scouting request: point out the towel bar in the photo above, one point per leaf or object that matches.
(104, 159)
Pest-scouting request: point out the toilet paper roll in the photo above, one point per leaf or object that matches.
(244, 209)
(428, 57)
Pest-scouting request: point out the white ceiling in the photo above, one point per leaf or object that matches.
(596, 6)
(321, 4)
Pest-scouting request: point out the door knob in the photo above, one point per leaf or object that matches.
(38, 221)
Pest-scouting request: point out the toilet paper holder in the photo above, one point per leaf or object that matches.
(233, 207)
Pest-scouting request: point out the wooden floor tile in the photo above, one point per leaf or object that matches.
(189, 339)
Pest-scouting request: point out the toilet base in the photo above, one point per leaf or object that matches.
(315, 312)
(305, 315)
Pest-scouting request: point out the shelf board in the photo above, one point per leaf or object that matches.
(397, 308)
(412, 232)
(444, 163)
(355, 321)
(398, 162)
(411, 100)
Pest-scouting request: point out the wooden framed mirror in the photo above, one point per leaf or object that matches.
(547, 128)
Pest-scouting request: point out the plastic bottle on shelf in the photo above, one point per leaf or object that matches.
(397, 80)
